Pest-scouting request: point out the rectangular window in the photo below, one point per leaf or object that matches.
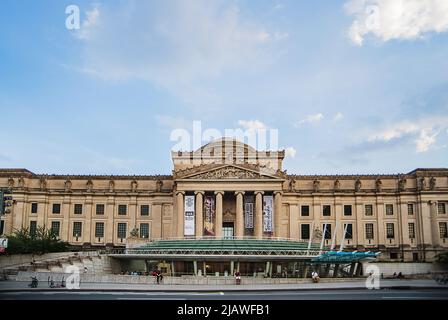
(78, 208)
(305, 231)
(122, 208)
(389, 209)
(443, 230)
(56, 208)
(33, 228)
(326, 210)
(393, 255)
(347, 210)
(327, 231)
(390, 230)
(411, 226)
(55, 226)
(121, 230)
(305, 211)
(369, 231)
(99, 229)
(368, 210)
(410, 209)
(34, 207)
(77, 229)
(349, 232)
(100, 209)
(441, 208)
(144, 230)
(144, 210)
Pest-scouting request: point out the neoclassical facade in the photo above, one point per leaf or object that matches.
(228, 189)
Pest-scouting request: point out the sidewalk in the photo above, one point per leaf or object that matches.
(358, 285)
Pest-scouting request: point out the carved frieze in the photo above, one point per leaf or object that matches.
(228, 173)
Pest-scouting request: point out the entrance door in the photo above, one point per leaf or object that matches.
(227, 230)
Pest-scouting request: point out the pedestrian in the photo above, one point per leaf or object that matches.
(158, 276)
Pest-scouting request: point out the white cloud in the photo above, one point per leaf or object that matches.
(396, 19)
(252, 124)
(88, 24)
(312, 118)
(424, 130)
(290, 152)
(425, 140)
(338, 116)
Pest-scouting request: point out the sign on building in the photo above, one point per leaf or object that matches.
(249, 212)
(268, 213)
(209, 216)
(189, 216)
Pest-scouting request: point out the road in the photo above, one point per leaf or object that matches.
(383, 294)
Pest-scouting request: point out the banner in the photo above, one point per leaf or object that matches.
(268, 213)
(209, 216)
(249, 212)
(189, 216)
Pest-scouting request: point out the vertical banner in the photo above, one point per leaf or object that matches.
(189, 216)
(249, 212)
(209, 216)
(268, 213)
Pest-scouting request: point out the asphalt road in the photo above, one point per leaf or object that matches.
(383, 294)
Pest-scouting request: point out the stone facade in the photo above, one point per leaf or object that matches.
(229, 171)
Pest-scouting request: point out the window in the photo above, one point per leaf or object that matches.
(389, 209)
(99, 229)
(77, 229)
(144, 230)
(305, 231)
(410, 209)
(33, 228)
(34, 207)
(78, 208)
(121, 230)
(122, 208)
(368, 210)
(390, 230)
(349, 232)
(441, 208)
(305, 211)
(327, 231)
(144, 210)
(100, 209)
(55, 226)
(326, 210)
(347, 210)
(411, 227)
(369, 231)
(56, 208)
(393, 255)
(443, 230)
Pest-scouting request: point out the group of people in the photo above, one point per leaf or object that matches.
(398, 276)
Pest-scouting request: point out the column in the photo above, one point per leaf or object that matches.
(277, 212)
(199, 214)
(180, 214)
(195, 267)
(232, 268)
(239, 232)
(218, 226)
(258, 221)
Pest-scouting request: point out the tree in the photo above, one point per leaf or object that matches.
(41, 241)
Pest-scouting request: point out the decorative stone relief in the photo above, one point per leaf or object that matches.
(89, 186)
(21, 183)
(159, 185)
(316, 184)
(292, 185)
(432, 183)
(422, 183)
(378, 185)
(10, 183)
(357, 185)
(68, 185)
(43, 183)
(228, 173)
(402, 184)
(134, 185)
(337, 185)
(111, 185)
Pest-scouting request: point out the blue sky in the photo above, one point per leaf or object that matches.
(356, 86)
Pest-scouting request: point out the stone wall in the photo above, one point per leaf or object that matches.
(407, 268)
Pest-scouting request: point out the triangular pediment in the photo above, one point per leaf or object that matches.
(229, 172)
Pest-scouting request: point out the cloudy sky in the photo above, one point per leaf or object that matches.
(351, 86)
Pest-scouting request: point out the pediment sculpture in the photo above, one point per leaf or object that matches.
(228, 173)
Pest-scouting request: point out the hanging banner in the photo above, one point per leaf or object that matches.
(268, 213)
(249, 212)
(189, 216)
(209, 216)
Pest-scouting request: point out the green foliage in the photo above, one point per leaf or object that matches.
(442, 257)
(41, 241)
